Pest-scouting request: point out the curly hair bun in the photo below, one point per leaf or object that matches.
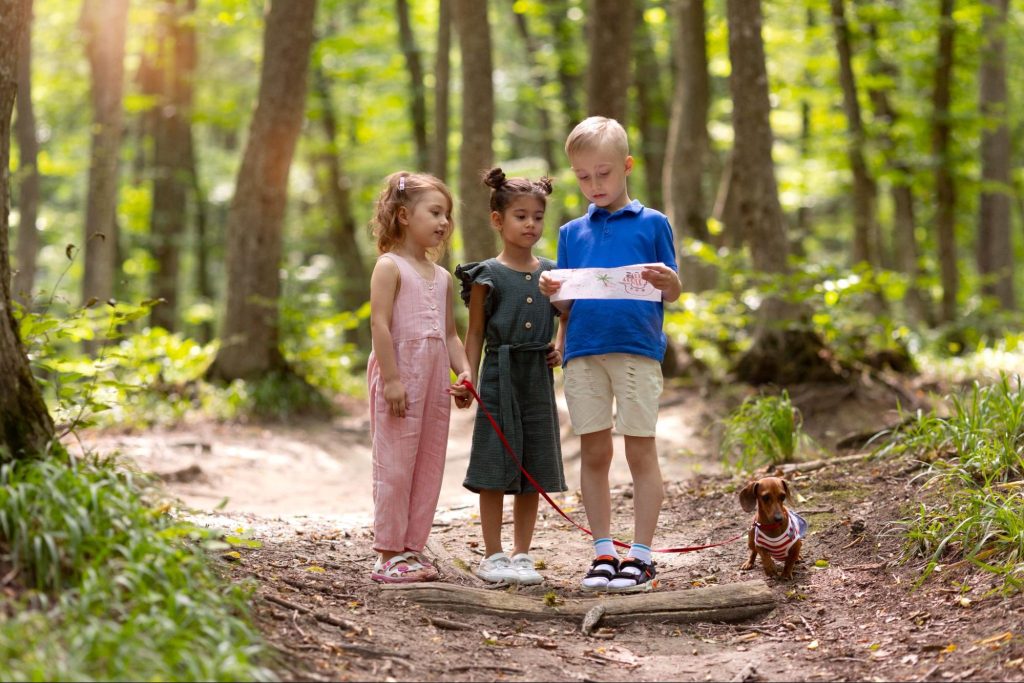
(494, 178)
(545, 184)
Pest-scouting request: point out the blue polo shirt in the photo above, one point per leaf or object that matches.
(600, 239)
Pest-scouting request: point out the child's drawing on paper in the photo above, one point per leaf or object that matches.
(603, 283)
(636, 284)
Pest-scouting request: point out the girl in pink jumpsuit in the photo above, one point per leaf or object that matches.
(415, 344)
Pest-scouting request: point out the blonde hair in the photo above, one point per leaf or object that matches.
(596, 132)
(405, 189)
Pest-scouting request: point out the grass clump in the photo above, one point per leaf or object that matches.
(109, 588)
(764, 430)
(973, 509)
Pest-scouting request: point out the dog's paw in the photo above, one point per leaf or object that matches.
(746, 566)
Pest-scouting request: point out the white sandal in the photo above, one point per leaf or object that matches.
(399, 569)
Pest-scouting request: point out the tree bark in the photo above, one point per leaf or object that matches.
(866, 245)
(176, 61)
(28, 173)
(945, 186)
(104, 23)
(995, 246)
(732, 602)
(249, 340)
(652, 110)
(539, 83)
(202, 242)
(610, 53)
(442, 79)
(905, 247)
(688, 144)
(783, 351)
(417, 100)
(355, 280)
(476, 153)
(26, 429)
(569, 68)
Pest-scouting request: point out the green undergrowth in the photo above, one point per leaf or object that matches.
(138, 376)
(103, 585)
(764, 430)
(972, 504)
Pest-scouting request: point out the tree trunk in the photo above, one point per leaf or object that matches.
(202, 243)
(28, 173)
(688, 144)
(476, 153)
(249, 340)
(355, 280)
(176, 61)
(866, 247)
(26, 429)
(945, 187)
(905, 245)
(539, 84)
(418, 101)
(652, 109)
(783, 351)
(995, 246)
(569, 68)
(104, 23)
(725, 603)
(610, 56)
(442, 77)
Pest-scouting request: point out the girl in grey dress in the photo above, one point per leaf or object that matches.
(509, 315)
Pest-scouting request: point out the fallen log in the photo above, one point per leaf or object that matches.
(723, 603)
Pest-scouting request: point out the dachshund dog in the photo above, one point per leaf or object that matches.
(777, 533)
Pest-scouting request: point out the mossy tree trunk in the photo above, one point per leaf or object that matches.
(26, 429)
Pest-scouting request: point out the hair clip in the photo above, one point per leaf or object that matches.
(401, 184)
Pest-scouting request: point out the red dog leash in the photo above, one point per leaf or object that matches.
(542, 492)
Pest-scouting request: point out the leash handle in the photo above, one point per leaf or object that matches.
(540, 489)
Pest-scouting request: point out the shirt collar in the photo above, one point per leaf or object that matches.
(633, 207)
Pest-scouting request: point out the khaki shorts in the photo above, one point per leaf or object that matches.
(635, 382)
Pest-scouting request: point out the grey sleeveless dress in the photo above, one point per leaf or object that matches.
(515, 383)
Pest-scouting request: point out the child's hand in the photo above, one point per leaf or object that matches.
(394, 394)
(662, 277)
(554, 356)
(463, 398)
(548, 285)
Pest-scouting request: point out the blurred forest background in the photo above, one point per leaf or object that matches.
(193, 178)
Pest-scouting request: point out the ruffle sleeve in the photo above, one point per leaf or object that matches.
(475, 274)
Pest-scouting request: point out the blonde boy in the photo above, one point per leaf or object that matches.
(613, 348)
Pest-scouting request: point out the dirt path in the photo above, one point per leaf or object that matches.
(302, 492)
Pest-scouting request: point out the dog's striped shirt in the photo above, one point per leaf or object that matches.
(778, 546)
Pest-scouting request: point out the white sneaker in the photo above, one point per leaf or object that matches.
(497, 569)
(528, 575)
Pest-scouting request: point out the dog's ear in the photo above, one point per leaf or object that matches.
(748, 497)
(785, 486)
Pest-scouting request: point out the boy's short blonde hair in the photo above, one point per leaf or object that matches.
(597, 132)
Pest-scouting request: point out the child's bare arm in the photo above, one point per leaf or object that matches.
(384, 284)
(456, 351)
(475, 332)
(559, 345)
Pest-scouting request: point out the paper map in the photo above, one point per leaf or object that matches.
(605, 283)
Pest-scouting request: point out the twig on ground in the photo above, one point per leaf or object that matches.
(487, 667)
(864, 567)
(448, 624)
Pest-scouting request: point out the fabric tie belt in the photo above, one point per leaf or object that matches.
(509, 413)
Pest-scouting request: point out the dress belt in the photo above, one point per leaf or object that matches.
(510, 416)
